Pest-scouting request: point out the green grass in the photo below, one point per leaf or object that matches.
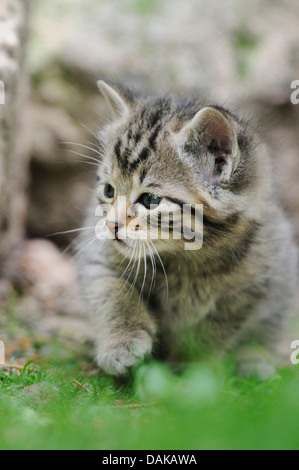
(144, 7)
(245, 44)
(203, 407)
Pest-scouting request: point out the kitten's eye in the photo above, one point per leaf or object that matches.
(109, 191)
(149, 201)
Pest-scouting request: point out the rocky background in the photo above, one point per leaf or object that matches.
(243, 54)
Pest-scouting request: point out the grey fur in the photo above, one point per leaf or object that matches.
(238, 288)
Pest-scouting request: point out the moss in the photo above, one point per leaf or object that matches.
(146, 7)
(245, 43)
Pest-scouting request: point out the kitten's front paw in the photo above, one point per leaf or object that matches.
(116, 359)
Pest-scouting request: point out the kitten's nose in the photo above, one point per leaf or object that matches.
(113, 226)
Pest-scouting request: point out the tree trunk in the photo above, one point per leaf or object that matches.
(14, 20)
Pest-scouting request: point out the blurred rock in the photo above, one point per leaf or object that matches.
(49, 277)
(49, 306)
(69, 327)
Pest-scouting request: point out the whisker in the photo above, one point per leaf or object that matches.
(164, 271)
(131, 259)
(82, 251)
(97, 164)
(90, 131)
(82, 229)
(137, 270)
(94, 134)
(96, 254)
(153, 261)
(86, 147)
(145, 272)
(106, 119)
(84, 156)
(132, 269)
(98, 147)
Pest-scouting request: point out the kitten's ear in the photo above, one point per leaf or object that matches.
(119, 99)
(213, 136)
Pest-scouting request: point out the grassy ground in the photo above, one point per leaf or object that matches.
(59, 401)
(204, 407)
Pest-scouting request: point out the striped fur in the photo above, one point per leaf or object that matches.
(146, 296)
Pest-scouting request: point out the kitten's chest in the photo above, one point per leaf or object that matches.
(183, 301)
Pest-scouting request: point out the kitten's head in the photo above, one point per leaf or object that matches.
(172, 170)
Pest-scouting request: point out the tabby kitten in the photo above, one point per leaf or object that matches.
(148, 294)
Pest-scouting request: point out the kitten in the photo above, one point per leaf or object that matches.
(147, 294)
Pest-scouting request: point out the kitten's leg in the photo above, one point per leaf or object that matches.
(255, 362)
(270, 352)
(124, 329)
(256, 348)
